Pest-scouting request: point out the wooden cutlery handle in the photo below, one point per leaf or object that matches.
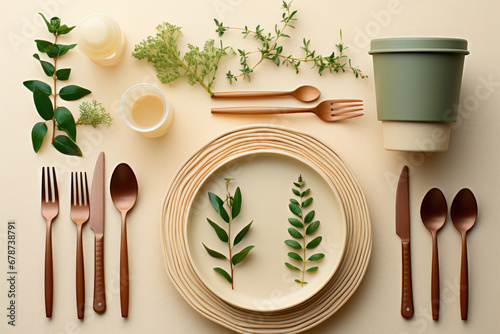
(259, 110)
(464, 281)
(248, 94)
(435, 279)
(406, 294)
(80, 275)
(49, 279)
(99, 289)
(124, 287)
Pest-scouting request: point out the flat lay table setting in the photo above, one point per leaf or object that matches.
(250, 166)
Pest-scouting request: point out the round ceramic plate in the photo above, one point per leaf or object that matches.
(262, 282)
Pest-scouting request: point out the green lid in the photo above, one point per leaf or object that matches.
(418, 44)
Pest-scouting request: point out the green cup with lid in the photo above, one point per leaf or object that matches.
(417, 84)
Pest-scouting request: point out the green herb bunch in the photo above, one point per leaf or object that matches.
(271, 49)
(303, 221)
(197, 65)
(48, 109)
(233, 204)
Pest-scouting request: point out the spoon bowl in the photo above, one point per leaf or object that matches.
(433, 212)
(124, 191)
(463, 214)
(306, 93)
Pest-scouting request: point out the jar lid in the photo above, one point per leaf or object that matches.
(418, 44)
(98, 35)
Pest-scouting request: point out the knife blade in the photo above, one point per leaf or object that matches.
(97, 225)
(403, 230)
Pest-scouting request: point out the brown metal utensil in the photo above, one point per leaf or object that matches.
(403, 230)
(463, 214)
(328, 110)
(433, 213)
(304, 93)
(80, 211)
(124, 191)
(50, 210)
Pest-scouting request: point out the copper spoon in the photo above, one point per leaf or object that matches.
(124, 191)
(433, 212)
(304, 93)
(463, 214)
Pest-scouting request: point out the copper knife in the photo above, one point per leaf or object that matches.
(97, 225)
(403, 230)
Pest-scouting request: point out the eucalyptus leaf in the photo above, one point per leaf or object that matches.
(236, 203)
(42, 45)
(298, 185)
(221, 233)
(295, 209)
(224, 274)
(295, 256)
(214, 253)
(31, 84)
(55, 22)
(218, 205)
(307, 202)
(237, 258)
(63, 49)
(316, 257)
(65, 121)
(312, 227)
(63, 74)
(295, 222)
(312, 269)
(49, 25)
(291, 266)
(309, 217)
(298, 281)
(64, 29)
(242, 234)
(314, 242)
(296, 192)
(53, 51)
(66, 146)
(43, 104)
(37, 134)
(294, 201)
(294, 233)
(305, 192)
(293, 243)
(73, 92)
(47, 67)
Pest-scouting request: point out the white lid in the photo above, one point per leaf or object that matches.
(99, 35)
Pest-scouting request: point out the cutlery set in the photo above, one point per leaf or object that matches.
(124, 191)
(328, 110)
(434, 213)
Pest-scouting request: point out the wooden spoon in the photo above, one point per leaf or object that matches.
(124, 191)
(304, 93)
(433, 212)
(463, 214)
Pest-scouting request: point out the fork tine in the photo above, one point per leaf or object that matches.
(86, 190)
(345, 100)
(72, 190)
(345, 110)
(56, 192)
(77, 202)
(49, 186)
(43, 185)
(82, 190)
(347, 116)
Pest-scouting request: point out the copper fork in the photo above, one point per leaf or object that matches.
(328, 110)
(50, 210)
(80, 211)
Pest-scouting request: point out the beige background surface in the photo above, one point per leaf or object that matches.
(155, 305)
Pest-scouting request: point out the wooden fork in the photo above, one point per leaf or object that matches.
(50, 210)
(328, 110)
(80, 211)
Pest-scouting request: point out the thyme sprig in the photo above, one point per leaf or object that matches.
(233, 205)
(304, 222)
(272, 50)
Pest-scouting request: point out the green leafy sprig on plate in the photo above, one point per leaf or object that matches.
(197, 65)
(45, 97)
(233, 205)
(270, 49)
(302, 221)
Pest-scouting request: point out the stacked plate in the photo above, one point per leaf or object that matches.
(264, 161)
